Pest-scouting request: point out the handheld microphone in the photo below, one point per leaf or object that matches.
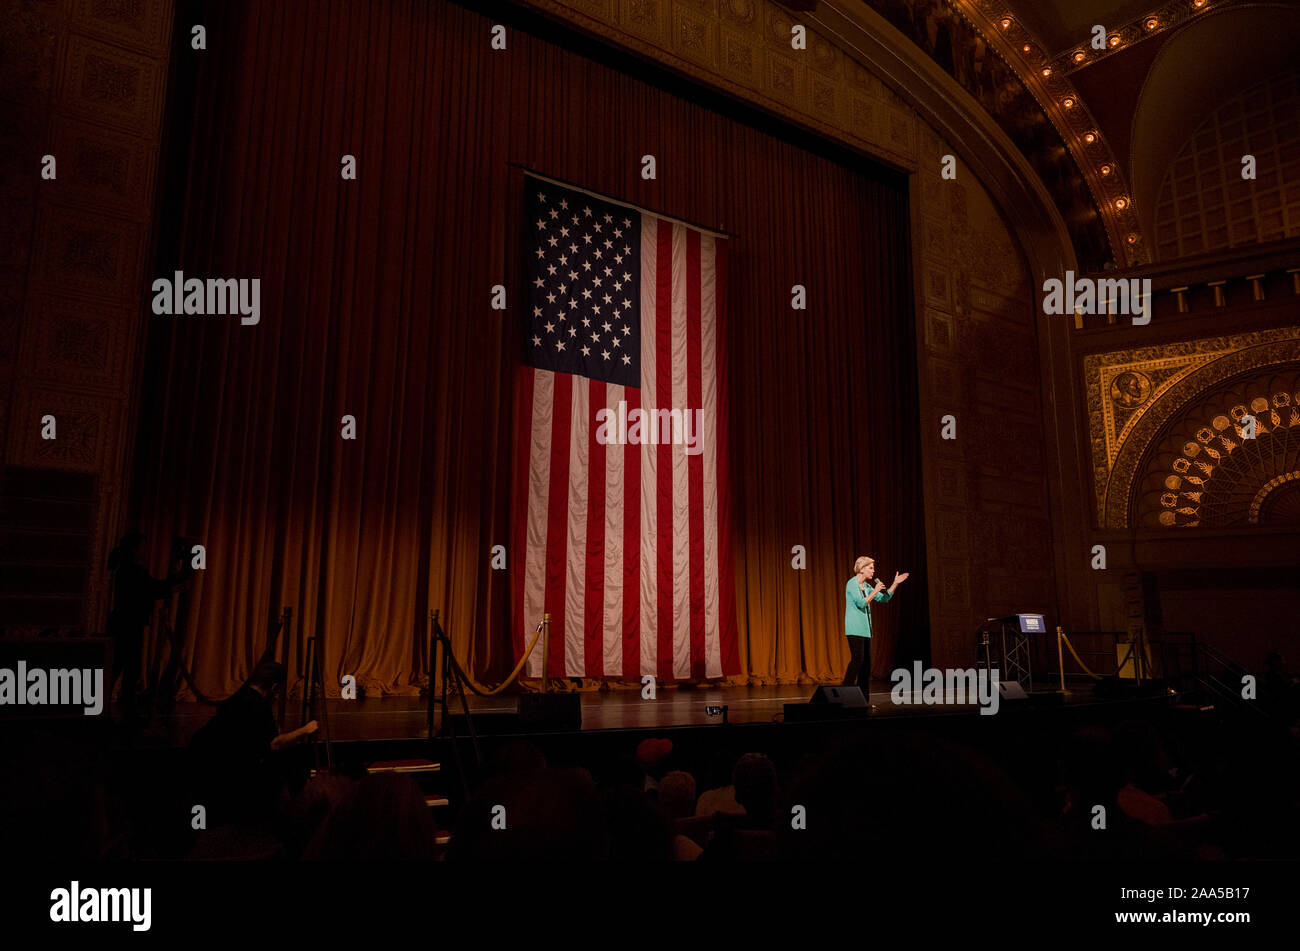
(870, 585)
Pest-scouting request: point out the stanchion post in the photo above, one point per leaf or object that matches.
(546, 651)
(1060, 660)
(1139, 666)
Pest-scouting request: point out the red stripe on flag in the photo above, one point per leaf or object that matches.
(695, 464)
(664, 454)
(727, 631)
(557, 524)
(594, 613)
(631, 549)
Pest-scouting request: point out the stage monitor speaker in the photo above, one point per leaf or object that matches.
(550, 711)
(840, 696)
(1011, 690)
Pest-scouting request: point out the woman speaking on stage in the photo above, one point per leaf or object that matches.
(858, 595)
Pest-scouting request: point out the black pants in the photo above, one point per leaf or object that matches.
(859, 672)
(128, 646)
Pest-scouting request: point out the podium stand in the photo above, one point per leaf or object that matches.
(1008, 639)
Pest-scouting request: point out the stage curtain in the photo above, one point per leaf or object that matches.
(375, 304)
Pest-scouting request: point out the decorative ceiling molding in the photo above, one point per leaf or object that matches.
(950, 110)
(945, 35)
(1133, 394)
(1225, 474)
(1044, 75)
(1164, 18)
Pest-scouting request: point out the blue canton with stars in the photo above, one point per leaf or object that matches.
(584, 285)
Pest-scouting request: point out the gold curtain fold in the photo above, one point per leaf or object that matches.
(376, 305)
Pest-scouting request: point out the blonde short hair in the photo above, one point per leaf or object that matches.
(862, 563)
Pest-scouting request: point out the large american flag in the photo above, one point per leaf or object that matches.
(625, 542)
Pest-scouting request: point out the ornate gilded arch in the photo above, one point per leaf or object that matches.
(1149, 406)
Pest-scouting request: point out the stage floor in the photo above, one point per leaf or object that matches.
(404, 718)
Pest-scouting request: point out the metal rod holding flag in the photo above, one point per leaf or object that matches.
(546, 651)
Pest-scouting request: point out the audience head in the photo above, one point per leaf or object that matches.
(267, 678)
(638, 830)
(1145, 763)
(718, 772)
(652, 754)
(907, 795)
(387, 818)
(313, 807)
(754, 777)
(517, 756)
(551, 815)
(621, 769)
(677, 794)
(1093, 768)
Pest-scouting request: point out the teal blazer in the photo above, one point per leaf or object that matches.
(857, 613)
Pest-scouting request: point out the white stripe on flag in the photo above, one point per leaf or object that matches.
(615, 501)
(575, 569)
(539, 481)
(649, 478)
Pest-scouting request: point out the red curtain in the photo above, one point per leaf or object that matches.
(375, 297)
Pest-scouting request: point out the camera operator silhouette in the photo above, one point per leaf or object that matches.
(134, 594)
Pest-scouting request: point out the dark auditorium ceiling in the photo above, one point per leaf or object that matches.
(1101, 127)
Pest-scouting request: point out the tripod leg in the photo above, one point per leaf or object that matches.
(324, 710)
(431, 647)
(446, 677)
(308, 685)
(309, 698)
(448, 726)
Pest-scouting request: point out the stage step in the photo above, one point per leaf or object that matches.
(404, 766)
(434, 802)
